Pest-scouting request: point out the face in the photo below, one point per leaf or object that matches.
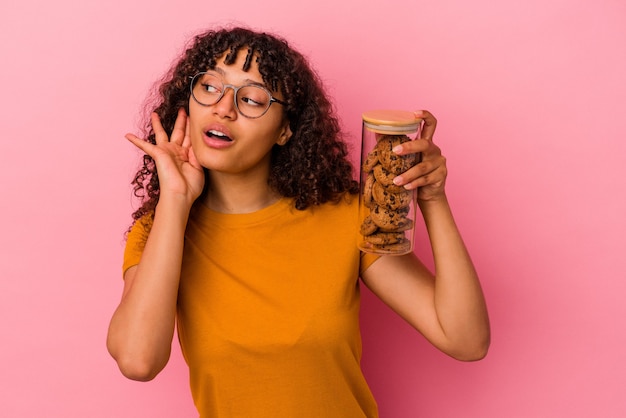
(223, 140)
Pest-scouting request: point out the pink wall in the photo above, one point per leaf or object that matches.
(530, 98)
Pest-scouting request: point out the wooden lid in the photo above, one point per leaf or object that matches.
(386, 121)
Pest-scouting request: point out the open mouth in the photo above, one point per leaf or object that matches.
(218, 135)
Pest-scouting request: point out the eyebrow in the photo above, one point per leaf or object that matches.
(247, 81)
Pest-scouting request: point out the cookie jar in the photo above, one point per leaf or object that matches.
(387, 213)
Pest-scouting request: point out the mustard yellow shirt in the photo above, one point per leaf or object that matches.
(268, 311)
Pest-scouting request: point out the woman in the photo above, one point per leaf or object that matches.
(246, 240)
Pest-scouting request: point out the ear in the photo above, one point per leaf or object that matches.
(285, 134)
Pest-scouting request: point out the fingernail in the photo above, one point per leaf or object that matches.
(398, 180)
(397, 149)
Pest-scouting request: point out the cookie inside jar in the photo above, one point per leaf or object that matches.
(386, 211)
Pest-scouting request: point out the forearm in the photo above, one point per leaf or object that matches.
(458, 297)
(142, 327)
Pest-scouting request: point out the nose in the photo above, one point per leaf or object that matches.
(225, 106)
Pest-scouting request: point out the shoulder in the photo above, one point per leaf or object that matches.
(141, 228)
(341, 212)
(136, 240)
(346, 202)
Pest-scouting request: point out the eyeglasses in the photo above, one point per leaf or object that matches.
(251, 100)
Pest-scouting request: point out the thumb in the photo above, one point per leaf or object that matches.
(193, 160)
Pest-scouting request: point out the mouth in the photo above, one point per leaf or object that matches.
(212, 133)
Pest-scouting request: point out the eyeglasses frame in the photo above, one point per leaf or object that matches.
(235, 90)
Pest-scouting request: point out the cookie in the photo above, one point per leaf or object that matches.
(391, 220)
(385, 178)
(367, 190)
(402, 224)
(392, 162)
(400, 247)
(385, 238)
(383, 197)
(368, 227)
(370, 161)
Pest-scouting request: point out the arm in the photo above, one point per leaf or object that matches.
(142, 327)
(448, 308)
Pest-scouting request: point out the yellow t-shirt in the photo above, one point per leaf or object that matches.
(268, 311)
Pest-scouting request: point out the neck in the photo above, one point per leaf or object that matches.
(228, 193)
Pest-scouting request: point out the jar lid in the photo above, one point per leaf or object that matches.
(385, 121)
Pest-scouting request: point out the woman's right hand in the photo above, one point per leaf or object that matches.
(180, 174)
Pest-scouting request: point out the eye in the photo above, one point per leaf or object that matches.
(251, 102)
(253, 96)
(210, 87)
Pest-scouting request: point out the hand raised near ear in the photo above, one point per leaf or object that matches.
(180, 174)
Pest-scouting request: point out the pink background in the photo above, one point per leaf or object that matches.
(530, 99)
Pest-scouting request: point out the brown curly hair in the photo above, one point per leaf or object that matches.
(312, 167)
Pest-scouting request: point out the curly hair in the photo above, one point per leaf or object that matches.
(312, 167)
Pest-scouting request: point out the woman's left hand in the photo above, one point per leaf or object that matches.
(429, 175)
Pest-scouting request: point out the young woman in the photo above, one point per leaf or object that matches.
(246, 239)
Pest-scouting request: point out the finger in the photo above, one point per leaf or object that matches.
(187, 139)
(193, 160)
(431, 151)
(421, 172)
(434, 175)
(412, 147)
(160, 136)
(429, 124)
(178, 133)
(145, 146)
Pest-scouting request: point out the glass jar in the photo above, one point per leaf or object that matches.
(387, 212)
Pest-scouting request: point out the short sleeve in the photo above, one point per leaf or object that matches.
(367, 260)
(136, 242)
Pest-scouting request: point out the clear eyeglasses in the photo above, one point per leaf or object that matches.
(251, 100)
